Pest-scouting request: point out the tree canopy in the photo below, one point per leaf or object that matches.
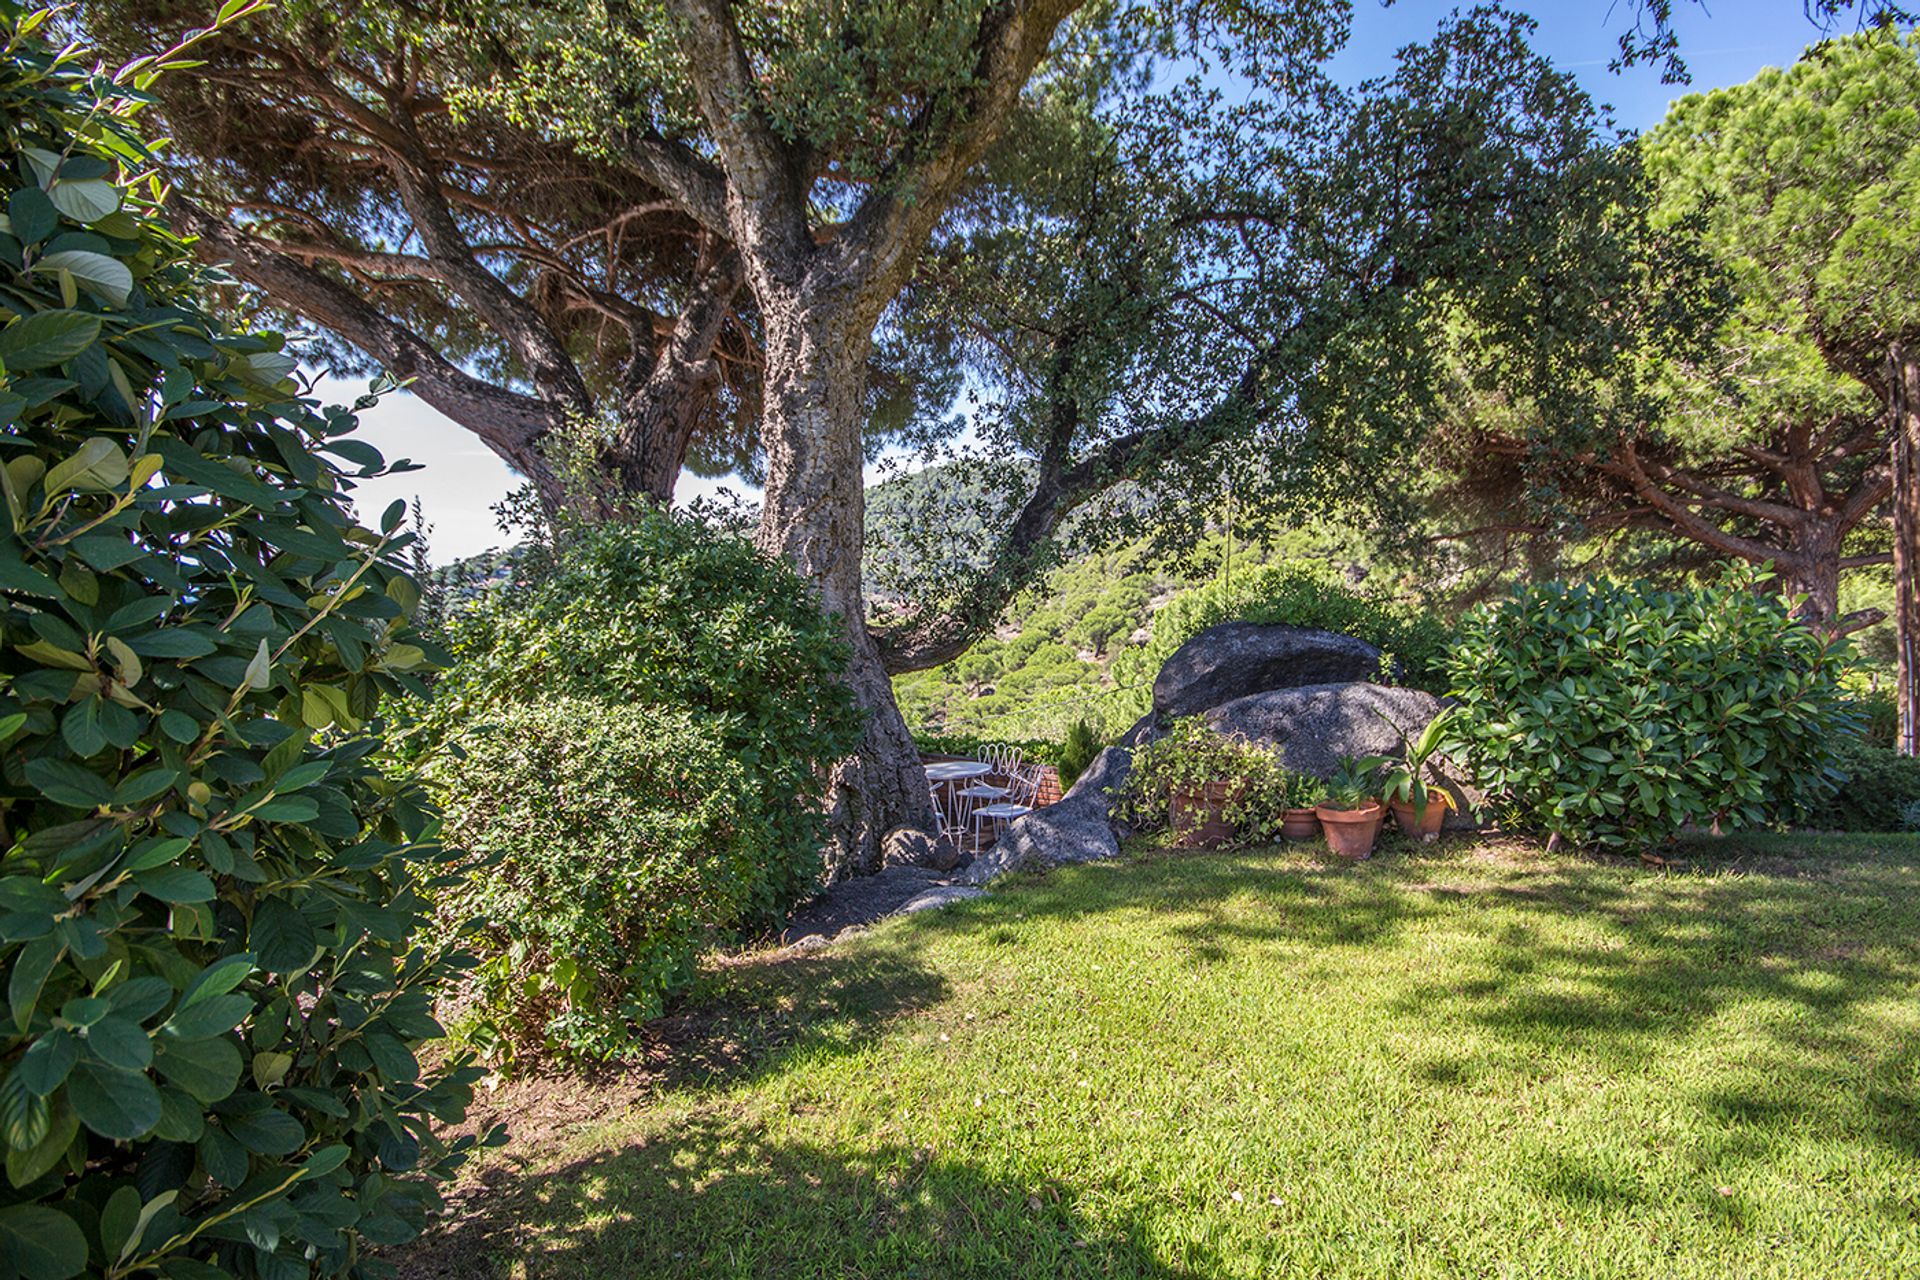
(1769, 439)
(1265, 298)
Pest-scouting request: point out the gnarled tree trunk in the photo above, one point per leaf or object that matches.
(1810, 566)
(814, 514)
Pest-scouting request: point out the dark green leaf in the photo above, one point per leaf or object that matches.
(64, 782)
(47, 338)
(210, 1017)
(41, 1243)
(113, 1103)
(208, 1069)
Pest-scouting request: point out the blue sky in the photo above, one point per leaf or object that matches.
(1724, 43)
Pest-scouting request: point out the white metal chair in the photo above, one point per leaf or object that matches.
(1022, 786)
(1005, 762)
(936, 793)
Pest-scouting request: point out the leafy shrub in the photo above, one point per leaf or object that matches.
(1078, 750)
(1878, 788)
(1297, 594)
(1355, 782)
(208, 895)
(1411, 776)
(1877, 713)
(1184, 760)
(1617, 714)
(1268, 790)
(609, 842)
(658, 615)
(972, 747)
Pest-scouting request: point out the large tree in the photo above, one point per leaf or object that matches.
(1783, 438)
(534, 290)
(1259, 300)
(825, 144)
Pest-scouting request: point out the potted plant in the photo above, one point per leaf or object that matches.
(1351, 813)
(1418, 801)
(1190, 774)
(1275, 803)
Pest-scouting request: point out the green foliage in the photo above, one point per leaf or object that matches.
(208, 894)
(1078, 750)
(1616, 714)
(1355, 782)
(647, 621)
(1185, 759)
(1878, 714)
(608, 843)
(1409, 777)
(1877, 790)
(1802, 180)
(972, 746)
(1268, 789)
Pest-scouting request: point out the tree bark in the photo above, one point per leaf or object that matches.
(1810, 566)
(814, 516)
(1904, 407)
(670, 388)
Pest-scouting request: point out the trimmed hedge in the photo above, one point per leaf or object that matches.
(657, 635)
(608, 843)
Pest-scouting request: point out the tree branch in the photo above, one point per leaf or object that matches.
(509, 423)
(691, 182)
(766, 176)
(886, 233)
(537, 347)
(927, 640)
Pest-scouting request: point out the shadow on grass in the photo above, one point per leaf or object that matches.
(744, 1020)
(712, 1201)
(1803, 941)
(1566, 958)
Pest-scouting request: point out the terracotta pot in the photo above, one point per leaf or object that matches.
(1299, 824)
(1427, 823)
(1199, 817)
(1351, 832)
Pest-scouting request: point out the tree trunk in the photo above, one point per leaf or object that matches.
(1905, 408)
(1810, 566)
(656, 425)
(671, 387)
(814, 516)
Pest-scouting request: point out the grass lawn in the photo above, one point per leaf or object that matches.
(1458, 1060)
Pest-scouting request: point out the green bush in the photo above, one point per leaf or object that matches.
(1877, 790)
(637, 620)
(208, 895)
(1078, 750)
(1267, 792)
(609, 842)
(1617, 714)
(1186, 759)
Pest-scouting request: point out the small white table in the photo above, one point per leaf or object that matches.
(949, 775)
(957, 770)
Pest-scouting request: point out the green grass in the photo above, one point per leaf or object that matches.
(1459, 1060)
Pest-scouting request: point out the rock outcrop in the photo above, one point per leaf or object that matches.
(1236, 659)
(1315, 725)
(1303, 691)
(1076, 828)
